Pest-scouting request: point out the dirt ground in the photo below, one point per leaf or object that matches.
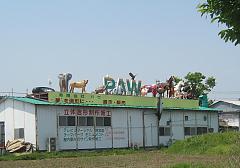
(151, 159)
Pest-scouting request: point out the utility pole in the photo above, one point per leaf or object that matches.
(159, 114)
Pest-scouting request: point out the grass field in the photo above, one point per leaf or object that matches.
(154, 158)
(219, 150)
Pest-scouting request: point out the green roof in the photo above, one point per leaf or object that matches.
(41, 102)
(32, 101)
(199, 109)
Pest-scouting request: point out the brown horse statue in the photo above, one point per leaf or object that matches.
(167, 86)
(170, 88)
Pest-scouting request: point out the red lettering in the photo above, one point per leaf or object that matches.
(108, 113)
(91, 112)
(103, 113)
(85, 112)
(97, 112)
(79, 112)
(72, 112)
(66, 112)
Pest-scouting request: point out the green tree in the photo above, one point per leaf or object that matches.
(199, 84)
(226, 12)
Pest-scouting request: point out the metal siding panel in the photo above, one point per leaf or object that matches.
(69, 144)
(136, 127)
(2, 111)
(19, 114)
(9, 121)
(151, 128)
(120, 128)
(191, 122)
(46, 125)
(164, 118)
(200, 119)
(105, 137)
(177, 125)
(30, 124)
(214, 121)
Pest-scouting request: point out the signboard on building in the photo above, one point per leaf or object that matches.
(118, 100)
(101, 99)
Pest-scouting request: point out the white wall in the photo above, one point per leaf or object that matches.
(126, 129)
(230, 113)
(18, 114)
(127, 125)
(151, 128)
(178, 122)
(120, 125)
(46, 124)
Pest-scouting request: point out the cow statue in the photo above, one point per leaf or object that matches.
(81, 85)
(178, 89)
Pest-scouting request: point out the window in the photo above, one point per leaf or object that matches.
(71, 121)
(103, 121)
(62, 121)
(189, 131)
(210, 130)
(67, 121)
(186, 118)
(18, 133)
(201, 130)
(107, 121)
(99, 121)
(82, 121)
(193, 131)
(164, 131)
(168, 122)
(89, 121)
(85, 121)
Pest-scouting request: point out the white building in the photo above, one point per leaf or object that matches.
(94, 126)
(230, 115)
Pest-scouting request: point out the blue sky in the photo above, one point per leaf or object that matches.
(92, 38)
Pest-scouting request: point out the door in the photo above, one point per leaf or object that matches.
(151, 129)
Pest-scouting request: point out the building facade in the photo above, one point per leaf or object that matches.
(122, 123)
(230, 115)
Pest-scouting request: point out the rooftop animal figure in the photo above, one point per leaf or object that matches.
(170, 89)
(63, 81)
(132, 75)
(81, 85)
(118, 90)
(186, 92)
(102, 89)
(178, 89)
(149, 89)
